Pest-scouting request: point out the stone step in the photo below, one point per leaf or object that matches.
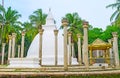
(52, 68)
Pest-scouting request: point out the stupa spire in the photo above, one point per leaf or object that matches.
(50, 19)
(49, 9)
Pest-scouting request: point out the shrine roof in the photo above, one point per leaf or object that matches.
(99, 44)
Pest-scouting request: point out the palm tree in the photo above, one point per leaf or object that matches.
(38, 18)
(75, 24)
(116, 14)
(9, 20)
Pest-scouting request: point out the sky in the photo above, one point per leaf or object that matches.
(94, 11)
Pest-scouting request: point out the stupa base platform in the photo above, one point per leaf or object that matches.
(23, 63)
(34, 62)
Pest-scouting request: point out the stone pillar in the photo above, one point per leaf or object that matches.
(3, 53)
(40, 45)
(9, 47)
(110, 52)
(65, 24)
(18, 51)
(85, 41)
(13, 44)
(56, 46)
(115, 48)
(73, 50)
(83, 52)
(79, 49)
(69, 47)
(22, 44)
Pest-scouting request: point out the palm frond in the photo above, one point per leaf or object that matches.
(38, 18)
(114, 15)
(2, 9)
(113, 5)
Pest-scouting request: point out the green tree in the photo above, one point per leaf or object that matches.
(30, 32)
(75, 24)
(9, 20)
(38, 18)
(94, 33)
(107, 34)
(9, 23)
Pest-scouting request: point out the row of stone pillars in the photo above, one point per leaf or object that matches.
(113, 51)
(66, 49)
(56, 45)
(85, 46)
(11, 47)
(66, 35)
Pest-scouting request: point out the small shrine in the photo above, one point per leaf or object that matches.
(99, 53)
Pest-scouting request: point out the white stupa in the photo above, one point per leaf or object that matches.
(48, 48)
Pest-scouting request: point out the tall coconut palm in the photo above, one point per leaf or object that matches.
(9, 19)
(116, 14)
(12, 16)
(38, 18)
(75, 24)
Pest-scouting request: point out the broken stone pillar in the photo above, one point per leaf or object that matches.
(79, 49)
(3, 53)
(9, 46)
(13, 44)
(22, 44)
(69, 47)
(18, 51)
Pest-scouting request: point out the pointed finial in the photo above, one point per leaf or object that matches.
(49, 9)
